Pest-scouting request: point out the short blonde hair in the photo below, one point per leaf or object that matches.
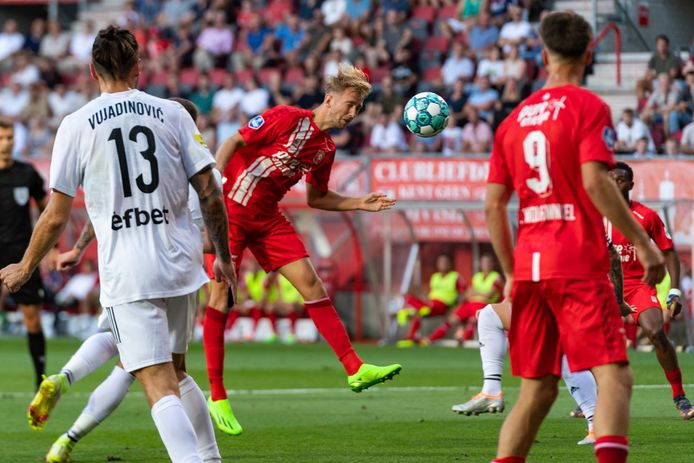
(348, 77)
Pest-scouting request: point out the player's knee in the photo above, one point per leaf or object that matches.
(313, 287)
(654, 333)
(32, 322)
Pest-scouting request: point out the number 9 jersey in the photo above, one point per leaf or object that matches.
(538, 151)
(134, 154)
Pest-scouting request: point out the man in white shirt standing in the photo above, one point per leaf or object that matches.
(629, 130)
(118, 147)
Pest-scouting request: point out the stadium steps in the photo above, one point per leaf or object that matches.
(102, 13)
(585, 8)
(604, 84)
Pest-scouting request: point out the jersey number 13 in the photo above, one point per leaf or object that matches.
(148, 154)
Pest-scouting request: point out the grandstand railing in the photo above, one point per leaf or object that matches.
(617, 44)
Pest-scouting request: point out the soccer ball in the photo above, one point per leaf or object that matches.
(426, 114)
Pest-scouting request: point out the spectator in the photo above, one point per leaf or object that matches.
(401, 7)
(317, 37)
(309, 95)
(404, 72)
(214, 43)
(662, 102)
(129, 15)
(291, 35)
(54, 45)
(663, 61)
(457, 66)
(452, 137)
(687, 141)
(207, 131)
(641, 149)
(26, 73)
(81, 43)
(672, 147)
(387, 135)
(11, 41)
(358, 11)
(62, 102)
(484, 98)
(172, 87)
(426, 145)
(149, 9)
(308, 9)
(255, 99)
(259, 46)
(183, 45)
(37, 107)
(278, 95)
(457, 99)
(229, 124)
(387, 97)
(203, 95)
(466, 12)
(13, 100)
(482, 35)
(333, 62)
(32, 42)
(333, 11)
(477, 134)
(515, 32)
(174, 10)
(340, 42)
(629, 130)
(226, 98)
(492, 66)
(515, 67)
(396, 34)
(38, 138)
(499, 9)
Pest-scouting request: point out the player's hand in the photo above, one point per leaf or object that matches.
(375, 202)
(14, 276)
(67, 260)
(653, 263)
(674, 306)
(626, 309)
(224, 271)
(508, 288)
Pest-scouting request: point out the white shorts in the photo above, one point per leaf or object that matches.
(148, 331)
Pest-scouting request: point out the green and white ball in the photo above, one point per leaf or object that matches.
(426, 114)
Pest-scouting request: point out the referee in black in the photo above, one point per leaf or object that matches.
(19, 182)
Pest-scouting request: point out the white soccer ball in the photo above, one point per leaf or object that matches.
(426, 114)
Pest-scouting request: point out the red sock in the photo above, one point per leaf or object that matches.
(256, 315)
(416, 323)
(213, 340)
(469, 332)
(273, 322)
(231, 321)
(292, 317)
(611, 449)
(325, 317)
(510, 460)
(630, 330)
(674, 377)
(440, 331)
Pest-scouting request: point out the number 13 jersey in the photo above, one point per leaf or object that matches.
(134, 154)
(538, 151)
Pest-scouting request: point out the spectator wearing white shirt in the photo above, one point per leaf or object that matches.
(13, 100)
(629, 130)
(11, 41)
(82, 42)
(477, 134)
(62, 102)
(26, 73)
(457, 66)
(55, 44)
(515, 32)
(226, 98)
(492, 66)
(387, 136)
(333, 62)
(452, 137)
(255, 100)
(333, 11)
(341, 42)
(687, 141)
(515, 67)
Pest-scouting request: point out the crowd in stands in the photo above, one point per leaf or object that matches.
(236, 58)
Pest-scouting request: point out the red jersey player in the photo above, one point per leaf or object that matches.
(555, 150)
(643, 297)
(261, 163)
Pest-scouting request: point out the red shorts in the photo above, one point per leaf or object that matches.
(579, 318)
(271, 238)
(469, 309)
(437, 307)
(642, 297)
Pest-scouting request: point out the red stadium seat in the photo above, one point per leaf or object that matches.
(294, 76)
(217, 76)
(266, 74)
(243, 76)
(437, 43)
(433, 75)
(378, 74)
(447, 12)
(425, 12)
(276, 11)
(189, 77)
(159, 78)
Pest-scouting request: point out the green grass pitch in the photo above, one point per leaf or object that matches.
(294, 405)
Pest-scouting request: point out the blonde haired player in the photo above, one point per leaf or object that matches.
(261, 163)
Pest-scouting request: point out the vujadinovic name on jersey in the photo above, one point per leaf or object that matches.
(125, 107)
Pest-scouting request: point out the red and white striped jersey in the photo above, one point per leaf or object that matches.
(282, 145)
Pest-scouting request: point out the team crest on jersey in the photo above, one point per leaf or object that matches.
(320, 155)
(199, 139)
(256, 123)
(21, 195)
(610, 138)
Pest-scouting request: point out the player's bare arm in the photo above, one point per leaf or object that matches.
(227, 150)
(606, 197)
(215, 216)
(672, 263)
(617, 278)
(71, 258)
(46, 233)
(496, 213)
(332, 201)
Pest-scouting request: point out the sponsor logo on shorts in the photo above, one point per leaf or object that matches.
(256, 123)
(21, 195)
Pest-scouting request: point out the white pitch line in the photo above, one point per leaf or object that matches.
(324, 390)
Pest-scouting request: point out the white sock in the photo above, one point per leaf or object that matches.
(102, 402)
(195, 405)
(582, 387)
(96, 350)
(492, 349)
(175, 430)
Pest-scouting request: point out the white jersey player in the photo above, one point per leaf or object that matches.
(134, 156)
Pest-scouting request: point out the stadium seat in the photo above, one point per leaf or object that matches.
(275, 12)
(243, 76)
(293, 76)
(266, 74)
(425, 12)
(420, 28)
(433, 75)
(159, 78)
(378, 74)
(447, 12)
(189, 77)
(437, 43)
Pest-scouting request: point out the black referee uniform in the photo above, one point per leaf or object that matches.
(18, 184)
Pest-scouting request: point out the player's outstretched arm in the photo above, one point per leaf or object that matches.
(496, 213)
(606, 197)
(214, 215)
(227, 150)
(71, 258)
(332, 201)
(48, 228)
